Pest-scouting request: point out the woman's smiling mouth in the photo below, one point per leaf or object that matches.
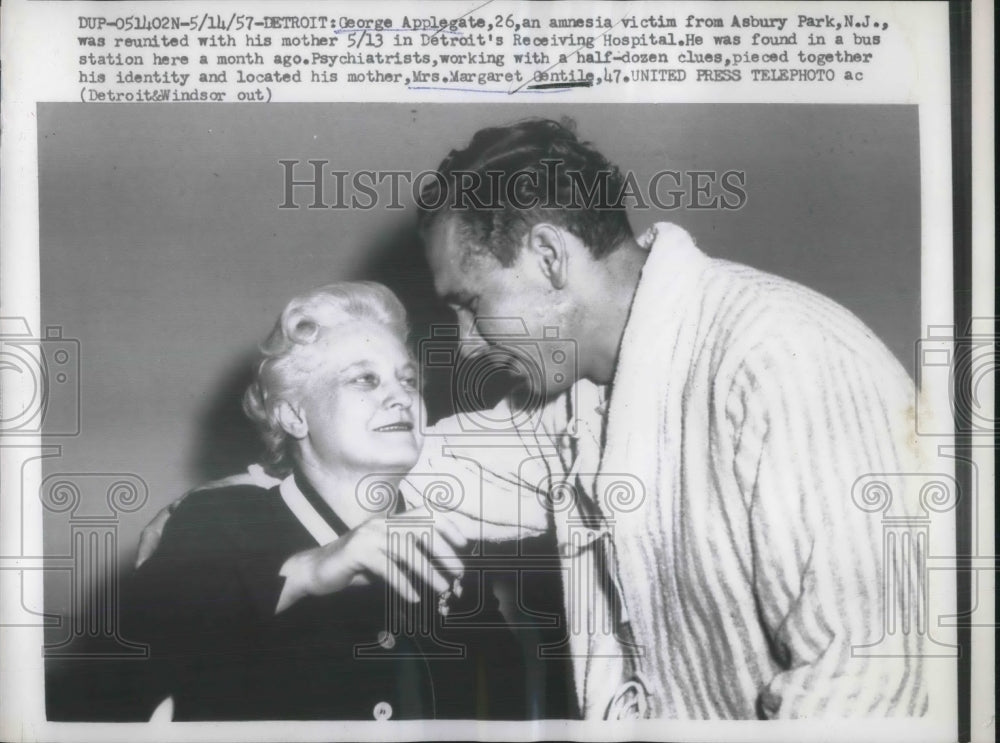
(394, 427)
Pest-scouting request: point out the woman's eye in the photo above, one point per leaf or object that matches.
(367, 380)
(410, 382)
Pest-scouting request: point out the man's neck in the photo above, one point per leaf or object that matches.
(606, 308)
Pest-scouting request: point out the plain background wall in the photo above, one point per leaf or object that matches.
(164, 252)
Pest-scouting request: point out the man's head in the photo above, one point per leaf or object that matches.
(512, 177)
(523, 225)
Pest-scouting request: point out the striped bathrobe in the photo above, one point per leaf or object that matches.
(753, 574)
(734, 546)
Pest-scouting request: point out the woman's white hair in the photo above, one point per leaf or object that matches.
(287, 359)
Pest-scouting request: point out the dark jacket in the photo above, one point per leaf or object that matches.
(205, 603)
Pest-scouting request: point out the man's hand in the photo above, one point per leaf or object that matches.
(149, 539)
(367, 552)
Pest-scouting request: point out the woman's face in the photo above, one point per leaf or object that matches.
(362, 405)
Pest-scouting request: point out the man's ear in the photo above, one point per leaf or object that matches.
(547, 244)
(292, 420)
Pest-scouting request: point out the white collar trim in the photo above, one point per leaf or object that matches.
(315, 524)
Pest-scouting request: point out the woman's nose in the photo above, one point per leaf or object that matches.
(399, 396)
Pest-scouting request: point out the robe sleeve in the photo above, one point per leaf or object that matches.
(811, 419)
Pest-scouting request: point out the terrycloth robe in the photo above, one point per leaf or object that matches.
(756, 411)
(755, 442)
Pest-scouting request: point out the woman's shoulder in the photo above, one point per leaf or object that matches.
(226, 512)
(214, 535)
(240, 496)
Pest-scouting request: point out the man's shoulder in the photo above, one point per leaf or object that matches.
(753, 304)
(745, 287)
(761, 324)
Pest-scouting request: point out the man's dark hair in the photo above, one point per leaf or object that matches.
(512, 177)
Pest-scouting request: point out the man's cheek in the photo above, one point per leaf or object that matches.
(471, 347)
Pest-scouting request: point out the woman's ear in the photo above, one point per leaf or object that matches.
(547, 243)
(292, 420)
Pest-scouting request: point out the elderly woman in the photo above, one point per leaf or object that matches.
(286, 603)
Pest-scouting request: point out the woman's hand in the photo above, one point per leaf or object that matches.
(368, 551)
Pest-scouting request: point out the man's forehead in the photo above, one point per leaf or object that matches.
(445, 241)
(448, 257)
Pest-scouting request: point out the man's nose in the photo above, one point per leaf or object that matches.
(471, 339)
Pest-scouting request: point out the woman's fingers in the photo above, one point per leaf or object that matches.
(406, 556)
(444, 559)
(360, 579)
(442, 526)
(397, 581)
(446, 527)
(410, 551)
